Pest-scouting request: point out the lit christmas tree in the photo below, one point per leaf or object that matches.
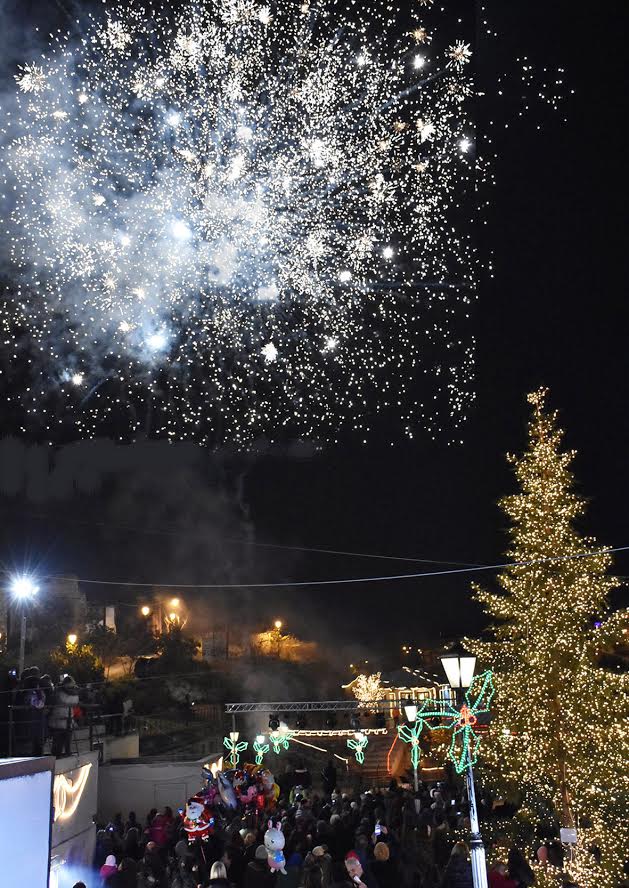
(558, 733)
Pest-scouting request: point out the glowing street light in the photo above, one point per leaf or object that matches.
(278, 625)
(145, 610)
(175, 602)
(410, 710)
(23, 588)
(458, 666)
(72, 639)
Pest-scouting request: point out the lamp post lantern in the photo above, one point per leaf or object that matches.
(410, 712)
(459, 667)
(23, 588)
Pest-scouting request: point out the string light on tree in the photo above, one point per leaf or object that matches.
(367, 688)
(559, 716)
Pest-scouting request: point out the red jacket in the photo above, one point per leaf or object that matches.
(497, 880)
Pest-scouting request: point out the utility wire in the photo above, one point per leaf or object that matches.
(243, 542)
(348, 580)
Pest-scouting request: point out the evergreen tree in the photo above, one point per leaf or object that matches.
(558, 736)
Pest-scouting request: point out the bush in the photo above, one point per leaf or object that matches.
(79, 661)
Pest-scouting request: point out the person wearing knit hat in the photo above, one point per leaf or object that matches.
(261, 853)
(356, 872)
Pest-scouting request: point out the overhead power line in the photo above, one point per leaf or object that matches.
(192, 534)
(345, 580)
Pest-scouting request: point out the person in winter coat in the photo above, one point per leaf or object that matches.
(131, 844)
(498, 877)
(185, 876)
(34, 716)
(519, 870)
(125, 877)
(458, 872)
(385, 870)
(109, 868)
(324, 860)
(218, 875)
(257, 873)
(60, 720)
(329, 778)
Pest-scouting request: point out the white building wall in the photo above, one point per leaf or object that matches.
(140, 786)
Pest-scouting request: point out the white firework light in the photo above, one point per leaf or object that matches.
(252, 216)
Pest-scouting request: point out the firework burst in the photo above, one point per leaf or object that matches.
(249, 215)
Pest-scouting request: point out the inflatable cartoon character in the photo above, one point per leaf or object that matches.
(199, 819)
(274, 844)
(269, 788)
(226, 791)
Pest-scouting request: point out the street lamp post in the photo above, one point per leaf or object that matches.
(410, 711)
(459, 669)
(278, 636)
(23, 588)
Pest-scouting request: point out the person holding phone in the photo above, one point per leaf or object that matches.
(356, 873)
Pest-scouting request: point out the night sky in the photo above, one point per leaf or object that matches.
(553, 314)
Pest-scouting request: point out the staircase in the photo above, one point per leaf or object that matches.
(375, 771)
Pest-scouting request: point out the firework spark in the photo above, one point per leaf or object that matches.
(251, 214)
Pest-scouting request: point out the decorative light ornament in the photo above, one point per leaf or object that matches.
(67, 792)
(235, 748)
(280, 740)
(358, 744)
(367, 688)
(260, 747)
(435, 714)
(410, 734)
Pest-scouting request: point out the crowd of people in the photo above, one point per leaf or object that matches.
(43, 711)
(39, 715)
(391, 838)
